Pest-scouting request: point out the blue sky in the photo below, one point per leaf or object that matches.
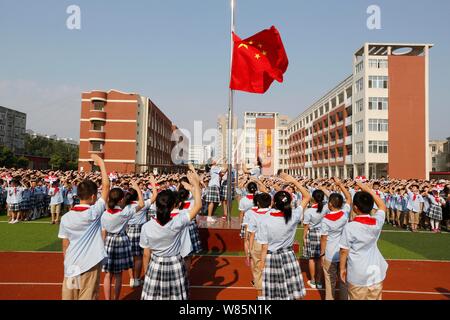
(177, 53)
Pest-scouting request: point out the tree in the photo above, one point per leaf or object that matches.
(22, 162)
(7, 158)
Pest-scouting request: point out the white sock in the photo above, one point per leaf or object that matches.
(432, 224)
(437, 224)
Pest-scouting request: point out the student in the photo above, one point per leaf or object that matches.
(363, 268)
(67, 197)
(224, 193)
(56, 201)
(83, 246)
(118, 247)
(282, 276)
(312, 220)
(165, 271)
(331, 228)
(415, 205)
(134, 234)
(255, 216)
(13, 199)
(213, 191)
(435, 212)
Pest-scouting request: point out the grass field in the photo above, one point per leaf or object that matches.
(394, 244)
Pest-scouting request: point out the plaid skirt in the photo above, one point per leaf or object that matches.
(224, 192)
(435, 212)
(242, 232)
(134, 234)
(118, 249)
(25, 205)
(195, 237)
(14, 207)
(282, 277)
(311, 248)
(166, 279)
(212, 194)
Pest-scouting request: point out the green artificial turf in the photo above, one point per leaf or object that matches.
(394, 244)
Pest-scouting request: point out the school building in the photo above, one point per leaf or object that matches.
(374, 123)
(129, 132)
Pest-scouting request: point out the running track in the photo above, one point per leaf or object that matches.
(38, 276)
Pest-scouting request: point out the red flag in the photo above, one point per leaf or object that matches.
(258, 61)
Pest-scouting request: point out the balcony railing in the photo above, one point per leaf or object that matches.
(349, 159)
(348, 121)
(348, 140)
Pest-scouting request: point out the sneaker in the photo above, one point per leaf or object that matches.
(10, 221)
(132, 283)
(319, 285)
(15, 221)
(210, 219)
(312, 284)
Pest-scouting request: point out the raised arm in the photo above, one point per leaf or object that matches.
(194, 187)
(380, 203)
(105, 179)
(141, 202)
(344, 190)
(305, 194)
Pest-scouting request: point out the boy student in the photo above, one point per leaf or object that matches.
(363, 268)
(83, 246)
(415, 205)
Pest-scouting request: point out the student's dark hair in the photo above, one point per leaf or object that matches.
(318, 196)
(376, 183)
(86, 189)
(130, 196)
(115, 195)
(182, 196)
(183, 179)
(264, 200)
(252, 187)
(363, 201)
(282, 201)
(165, 202)
(259, 162)
(336, 200)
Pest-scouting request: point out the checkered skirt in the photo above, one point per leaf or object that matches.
(435, 212)
(282, 276)
(14, 207)
(311, 247)
(212, 194)
(242, 232)
(195, 237)
(118, 249)
(134, 234)
(224, 191)
(166, 279)
(25, 205)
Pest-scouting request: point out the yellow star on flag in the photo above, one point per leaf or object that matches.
(257, 56)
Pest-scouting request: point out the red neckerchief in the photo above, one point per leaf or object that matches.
(250, 196)
(80, 208)
(414, 197)
(159, 222)
(315, 206)
(114, 211)
(186, 205)
(438, 199)
(134, 202)
(56, 190)
(377, 193)
(366, 220)
(261, 211)
(334, 216)
(278, 214)
(174, 213)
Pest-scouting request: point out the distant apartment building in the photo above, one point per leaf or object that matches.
(128, 131)
(374, 123)
(438, 155)
(200, 154)
(222, 136)
(12, 129)
(264, 135)
(54, 137)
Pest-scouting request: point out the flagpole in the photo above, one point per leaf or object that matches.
(230, 122)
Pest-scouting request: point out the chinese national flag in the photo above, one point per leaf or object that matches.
(258, 61)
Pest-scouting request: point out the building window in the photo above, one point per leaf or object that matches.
(359, 85)
(359, 67)
(378, 63)
(433, 148)
(97, 146)
(378, 82)
(378, 125)
(359, 146)
(99, 105)
(97, 126)
(378, 103)
(378, 147)
(360, 105)
(360, 126)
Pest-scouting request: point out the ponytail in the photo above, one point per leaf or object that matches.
(165, 202)
(130, 196)
(114, 197)
(282, 201)
(319, 196)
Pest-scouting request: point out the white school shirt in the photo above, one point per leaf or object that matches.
(246, 203)
(313, 218)
(186, 242)
(165, 241)
(215, 176)
(332, 226)
(414, 201)
(141, 216)
(365, 265)
(278, 234)
(14, 195)
(56, 195)
(255, 218)
(380, 195)
(82, 227)
(115, 220)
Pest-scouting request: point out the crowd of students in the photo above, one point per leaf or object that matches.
(146, 225)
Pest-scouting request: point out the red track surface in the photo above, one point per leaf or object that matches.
(33, 276)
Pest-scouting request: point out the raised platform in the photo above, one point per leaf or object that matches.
(220, 236)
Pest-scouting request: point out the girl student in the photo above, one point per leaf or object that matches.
(117, 244)
(133, 231)
(435, 211)
(312, 220)
(281, 275)
(13, 199)
(56, 201)
(165, 269)
(331, 228)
